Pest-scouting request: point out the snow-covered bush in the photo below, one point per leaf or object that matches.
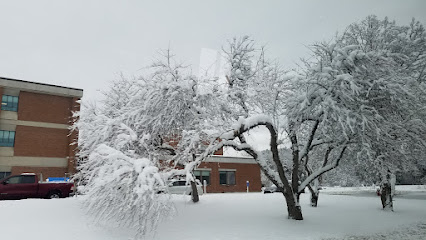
(119, 176)
(124, 190)
(133, 141)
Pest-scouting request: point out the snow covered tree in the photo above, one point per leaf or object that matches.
(382, 65)
(145, 132)
(349, 97)
(170, 108)
(277, 100)
(117, 175)
(361, 93)
(395, 88)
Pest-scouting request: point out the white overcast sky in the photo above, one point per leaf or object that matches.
(86, 44)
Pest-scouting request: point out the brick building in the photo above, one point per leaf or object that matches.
(34, 128)
(229, 174)
(226, 173)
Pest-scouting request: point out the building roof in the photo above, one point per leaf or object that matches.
(40, 87)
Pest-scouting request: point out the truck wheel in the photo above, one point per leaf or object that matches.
(53, 195)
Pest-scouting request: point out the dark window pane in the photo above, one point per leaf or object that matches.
(179, 183)
(14, 180)
(227, 177)
(207, 178)
(202, 175)
(222, 177)
(28, 179)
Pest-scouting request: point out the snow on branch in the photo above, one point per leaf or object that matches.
(245, 124)
(123, 190)
(322, 170)
(262, 162)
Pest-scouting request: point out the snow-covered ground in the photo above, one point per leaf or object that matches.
(232, 216)
(399, 189)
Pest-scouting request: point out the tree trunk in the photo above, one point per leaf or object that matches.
(194, 192)
(293, 208)
(386, 196)
(386, 192)
(314, 189)
(314, 196)
(392, 181)
(314, 199)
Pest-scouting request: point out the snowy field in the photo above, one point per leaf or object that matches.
(233, 216)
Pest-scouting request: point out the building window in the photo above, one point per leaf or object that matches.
(9, 103)
(202, 175)
(4, 174)
(7, 138)
(227, 177)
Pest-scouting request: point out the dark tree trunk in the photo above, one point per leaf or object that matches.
(314, 196)
(194, 192)
(314, 192)
(293, 206)
(314, 199)
(386, 196)
(386, 193)
(294, 210)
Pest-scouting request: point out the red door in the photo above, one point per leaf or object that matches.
(18, 187)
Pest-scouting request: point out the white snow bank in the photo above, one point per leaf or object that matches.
(399, 189)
